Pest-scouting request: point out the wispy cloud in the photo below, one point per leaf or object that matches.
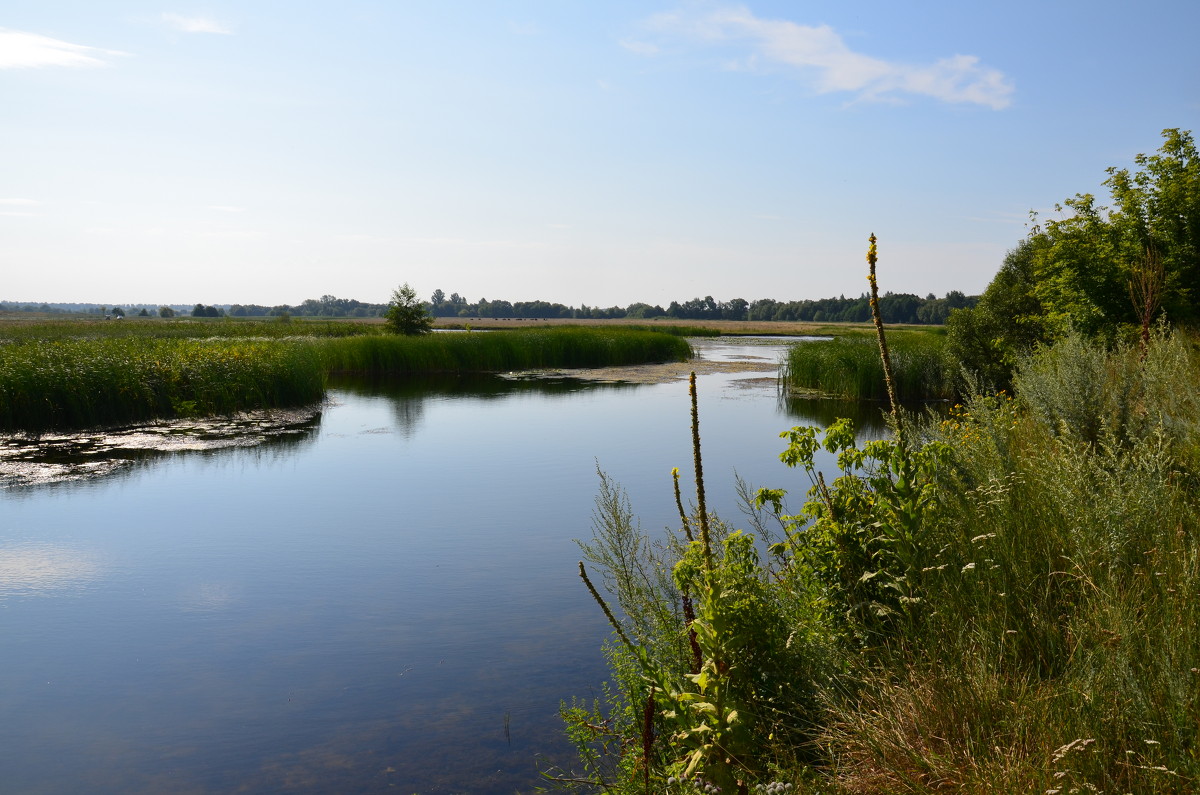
(196, 24)
(19, 202)
(22, 50)
(638, 46)
(819, 53)
(226, 208)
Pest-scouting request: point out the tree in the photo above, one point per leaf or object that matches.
(406, 314)
(166, 311)
(1008, 321)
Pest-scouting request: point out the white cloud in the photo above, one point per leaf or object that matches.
(196, 24)
(820, 53)
(226, 208)
(22, 50)
(640, 47)
(19, 202)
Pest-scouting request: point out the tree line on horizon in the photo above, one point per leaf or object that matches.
(896, 308)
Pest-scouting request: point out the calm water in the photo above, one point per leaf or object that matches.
(384, 598)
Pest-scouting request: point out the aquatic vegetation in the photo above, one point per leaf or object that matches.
(850, 367)
(522, 349)
(85, 383)
(54, 378)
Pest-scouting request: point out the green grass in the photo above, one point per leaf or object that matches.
(850, 367)
(69, 375)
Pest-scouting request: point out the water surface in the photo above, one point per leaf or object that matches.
(382, 596)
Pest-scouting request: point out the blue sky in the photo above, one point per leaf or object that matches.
(579, 152)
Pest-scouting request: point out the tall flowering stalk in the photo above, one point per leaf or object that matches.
(872, 256)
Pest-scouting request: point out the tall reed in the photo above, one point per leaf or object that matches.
(851, 367)
(83, 383)
(525, 349)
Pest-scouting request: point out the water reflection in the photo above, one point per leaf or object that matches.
(31, 568)
(409, 396)
(54, 459)
(868, 416)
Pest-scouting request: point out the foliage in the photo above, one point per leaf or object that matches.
(1096, 269)
(406, 314)
(1006, 324)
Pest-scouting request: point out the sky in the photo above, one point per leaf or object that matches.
(599, 153)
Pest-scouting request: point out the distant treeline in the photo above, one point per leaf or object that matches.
(896, 308)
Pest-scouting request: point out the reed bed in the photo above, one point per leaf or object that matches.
(850, 367)
(525, 349)
(63, 384)
(54, 378)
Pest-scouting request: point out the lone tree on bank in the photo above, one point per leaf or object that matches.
(406, 313)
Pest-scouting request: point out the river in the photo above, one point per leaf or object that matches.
(381, 596)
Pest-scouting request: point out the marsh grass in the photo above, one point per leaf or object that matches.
(525, 349)
(88, 374)
(850, 367)
(85, 383)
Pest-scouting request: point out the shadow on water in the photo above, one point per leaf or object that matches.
(869, 416)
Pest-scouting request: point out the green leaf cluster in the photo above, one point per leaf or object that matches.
(1081, 270)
